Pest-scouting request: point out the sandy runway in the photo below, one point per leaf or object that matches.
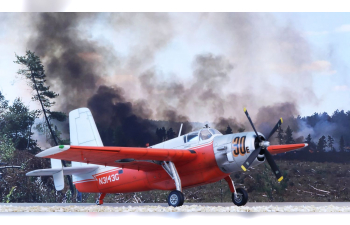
(190, 207)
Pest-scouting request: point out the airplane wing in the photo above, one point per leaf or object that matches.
(133, 158)
(276, 149)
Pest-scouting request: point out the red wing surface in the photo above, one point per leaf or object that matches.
(126, 157)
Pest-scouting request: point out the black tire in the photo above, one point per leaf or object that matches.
(183, 199)
(176, 198)
(242, 197)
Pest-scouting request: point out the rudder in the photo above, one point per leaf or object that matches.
(83, 130)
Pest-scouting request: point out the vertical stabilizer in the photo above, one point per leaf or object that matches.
(83, 130)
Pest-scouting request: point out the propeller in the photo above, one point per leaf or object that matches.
(262, 149)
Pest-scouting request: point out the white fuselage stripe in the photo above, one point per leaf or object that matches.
(200, 146)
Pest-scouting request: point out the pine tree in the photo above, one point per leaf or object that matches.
(331, 143)
(17, 124)
(289, 136)
(34, 72)
(170, 133)
(280, 136)
(163, 133)
(3, 109)
(159, 134)
(228, 130)
(341, 144)
(312, 146)
(321, 145)
(308, 139)
(3, 104)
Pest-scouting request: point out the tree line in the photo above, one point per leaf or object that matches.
(17, 143)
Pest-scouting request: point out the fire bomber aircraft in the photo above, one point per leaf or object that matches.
(197, 158)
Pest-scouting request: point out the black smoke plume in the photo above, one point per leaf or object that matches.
(73, 63)
(127, 93)
(117, 119)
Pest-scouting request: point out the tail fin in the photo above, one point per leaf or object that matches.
(83, 130)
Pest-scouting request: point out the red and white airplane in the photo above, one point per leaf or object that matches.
(197, 158)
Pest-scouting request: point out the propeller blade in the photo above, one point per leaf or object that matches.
(273, 166)
(250, 159)
(279, 123)
(251, 123)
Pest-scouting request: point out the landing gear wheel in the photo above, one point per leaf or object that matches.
(176, 198)
(183, 198)
(242, 197)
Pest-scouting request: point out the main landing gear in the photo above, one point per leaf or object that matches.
(176, 197)
(99, 201)
(239, 195)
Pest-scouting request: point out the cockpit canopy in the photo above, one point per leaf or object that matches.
(200, 135)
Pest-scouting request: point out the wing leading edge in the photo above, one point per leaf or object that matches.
(126, 157)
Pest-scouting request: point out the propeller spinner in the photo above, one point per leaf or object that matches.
(262, 149)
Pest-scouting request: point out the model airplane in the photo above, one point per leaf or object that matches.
(197, 158)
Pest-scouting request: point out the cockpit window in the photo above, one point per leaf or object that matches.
(205, 134)
(192, 137)
(213, 131)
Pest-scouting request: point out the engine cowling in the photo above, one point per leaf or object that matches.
(231, 150)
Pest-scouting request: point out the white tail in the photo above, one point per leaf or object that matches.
(82, 128)
(83, 131)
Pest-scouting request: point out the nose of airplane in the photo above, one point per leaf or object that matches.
(231, 150)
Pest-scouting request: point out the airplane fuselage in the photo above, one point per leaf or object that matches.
(217, 157)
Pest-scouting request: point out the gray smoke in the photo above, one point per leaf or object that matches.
(255, 63)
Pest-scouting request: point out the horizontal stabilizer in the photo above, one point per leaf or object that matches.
(58, 178)
(66, 171)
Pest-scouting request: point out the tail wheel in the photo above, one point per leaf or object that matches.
(241, 198)
(176, 198)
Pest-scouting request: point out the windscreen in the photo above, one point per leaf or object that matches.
(205, 134)
(214, 131)
(191, 137)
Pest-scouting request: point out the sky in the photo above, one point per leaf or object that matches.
(328, 34)
(275, 58)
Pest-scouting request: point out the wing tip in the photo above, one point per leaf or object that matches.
(53, 150)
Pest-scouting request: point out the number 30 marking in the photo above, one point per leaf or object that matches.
(239, 147)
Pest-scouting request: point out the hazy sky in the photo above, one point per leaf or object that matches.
(275, 57)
